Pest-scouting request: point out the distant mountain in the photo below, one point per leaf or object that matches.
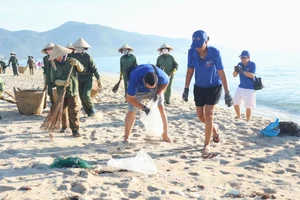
(105, 41)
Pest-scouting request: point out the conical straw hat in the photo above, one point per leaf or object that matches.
(59, 51)
(125, 46)
(13, 53)
(70, 46)
(49, 45)
(165, 46)
(81, 43)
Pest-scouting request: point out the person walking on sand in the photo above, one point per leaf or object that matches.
(86, 77)
(30, 64)
(59, 74)
(167, 63)
(146, 81)
(126, 61)
(14, 62)
(207, 64)
(47, 69)
(2, 66)
(245, 92)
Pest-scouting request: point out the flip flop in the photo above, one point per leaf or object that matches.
(216, 138)
(205, 149)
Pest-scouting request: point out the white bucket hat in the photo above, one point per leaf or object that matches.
(59, 51)
(70, 46)
(49, 45)
(165, 46)
(125, 46)
(81, 43)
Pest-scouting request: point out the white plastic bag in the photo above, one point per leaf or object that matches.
(153, 122)
(141, 163)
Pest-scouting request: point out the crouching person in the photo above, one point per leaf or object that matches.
(145, 82)
(61, 67)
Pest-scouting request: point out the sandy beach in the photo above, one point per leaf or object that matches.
(247, 166)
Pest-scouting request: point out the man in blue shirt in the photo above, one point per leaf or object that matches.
(145, 82)
(245, 91)
(207, 64)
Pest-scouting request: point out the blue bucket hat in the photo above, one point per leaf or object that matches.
(199, 37)
(245, 54)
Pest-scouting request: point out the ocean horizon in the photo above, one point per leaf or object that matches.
(279, 99)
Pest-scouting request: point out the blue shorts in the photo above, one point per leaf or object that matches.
(146, 95)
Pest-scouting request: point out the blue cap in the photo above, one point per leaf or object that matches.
(245, 54)
(199, 37)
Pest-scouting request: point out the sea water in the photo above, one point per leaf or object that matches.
(281, 76)
(280, 98)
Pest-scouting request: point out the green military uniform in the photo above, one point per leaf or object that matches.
(1, 87)
(30, 64)
(48, 82)
(86, 80)
(14, 62)
(126, 61)
(2, 66)
(71, 104)
(167, 63)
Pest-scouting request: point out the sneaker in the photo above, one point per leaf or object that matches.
(76, 133)
(168, 102)
(63, 130)
(92, 113)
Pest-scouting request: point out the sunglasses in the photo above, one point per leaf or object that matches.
(244, 57)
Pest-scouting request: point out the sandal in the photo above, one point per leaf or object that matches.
(216, 138)
(205, 149)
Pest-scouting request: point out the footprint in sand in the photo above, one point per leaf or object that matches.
(152, 189)
(290, 170)
(92, 137)
(279, 172)
(223, 172)
(193, 174)
(173, 161)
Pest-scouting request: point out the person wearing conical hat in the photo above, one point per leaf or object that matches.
(14, 63)
(70, 46)
(86, 78)
(167, 63)
(47, 69)
(2, 66)
(1, 87)
(126, 61)
(61, 67)
(30, 63)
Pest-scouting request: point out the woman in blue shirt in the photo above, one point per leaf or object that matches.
(207, 64)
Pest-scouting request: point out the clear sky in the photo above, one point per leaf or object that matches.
(251, 24)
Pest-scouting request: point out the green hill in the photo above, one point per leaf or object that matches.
(104, 40)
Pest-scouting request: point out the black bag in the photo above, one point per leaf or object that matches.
(258, 85)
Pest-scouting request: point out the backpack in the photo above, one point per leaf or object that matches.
(129, 70)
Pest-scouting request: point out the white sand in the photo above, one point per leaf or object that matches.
(248, 162)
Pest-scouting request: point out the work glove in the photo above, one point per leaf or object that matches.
(185, 94)
(77, 64)
(99, 84)
(62, 83)
(173, 72)
(228, 100)
(121, 75)
(239, 69)
(146, 110)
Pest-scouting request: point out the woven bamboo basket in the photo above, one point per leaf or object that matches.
(30, 102)
(21, 69)
(95, 89)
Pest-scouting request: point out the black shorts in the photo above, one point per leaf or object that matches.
(207, 96)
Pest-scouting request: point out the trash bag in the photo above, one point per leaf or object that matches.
(272, 129)
(70, 162)
(289, 128)
(153, 122)
(141, 163)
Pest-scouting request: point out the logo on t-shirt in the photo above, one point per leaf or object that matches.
(208, 63)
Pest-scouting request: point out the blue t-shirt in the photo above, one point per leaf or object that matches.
(206, 71)
(245, 81)
(136, 83)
